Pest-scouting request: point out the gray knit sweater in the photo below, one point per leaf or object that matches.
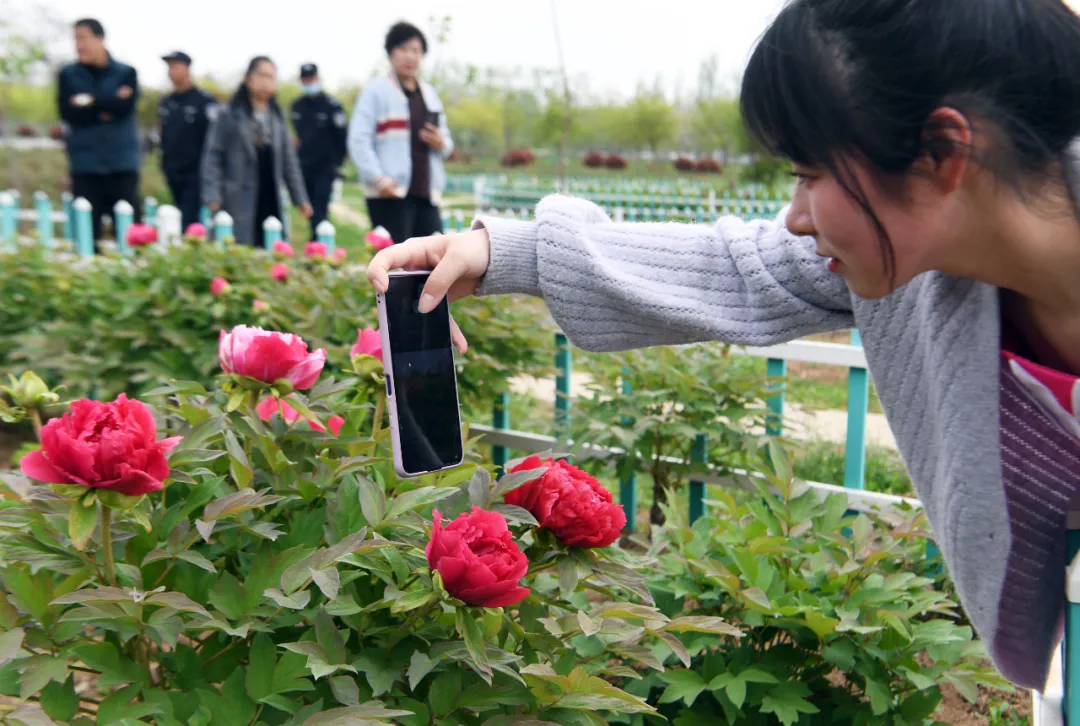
(933, 349)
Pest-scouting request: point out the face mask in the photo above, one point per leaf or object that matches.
(310, 89)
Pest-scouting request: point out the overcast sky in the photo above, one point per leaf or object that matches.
(615, 45)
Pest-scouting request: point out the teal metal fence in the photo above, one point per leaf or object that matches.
(75, 221)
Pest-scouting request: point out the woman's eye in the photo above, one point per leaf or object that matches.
(801, 178)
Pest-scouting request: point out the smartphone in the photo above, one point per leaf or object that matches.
(432, 117)
(421, 379)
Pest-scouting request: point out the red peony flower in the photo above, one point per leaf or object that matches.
(478, 560)
(368, 342)
(268, 356)
(317, 250)
(280, 272)
(140, 235)
(569, 502)
(379, 238)
(270, 405)
(219, 286)
(100, 445)
(282, 248)
(196, 230)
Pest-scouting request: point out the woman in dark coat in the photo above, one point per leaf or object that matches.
(249, 157)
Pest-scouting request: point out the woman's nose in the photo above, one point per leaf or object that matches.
(799, 222)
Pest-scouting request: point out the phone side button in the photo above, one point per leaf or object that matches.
(389, 388)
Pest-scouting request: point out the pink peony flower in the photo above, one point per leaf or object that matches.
(140, 235)
(379, 238)
(270, 405)
(258, 305)
(316, 250)
(219, 286)
(368, 342)
(338, 255)
(280, 272)
(282, 248)
(268, 356)
(196, 230)
(100, 445)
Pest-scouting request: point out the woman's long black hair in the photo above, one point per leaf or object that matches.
(836, 80)
(242, 97)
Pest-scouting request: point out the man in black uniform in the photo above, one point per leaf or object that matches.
(321, 131)
(184, 116)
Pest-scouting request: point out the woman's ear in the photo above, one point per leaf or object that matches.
(947, 140)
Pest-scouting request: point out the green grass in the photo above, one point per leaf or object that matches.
(824, 462)
(814, 387)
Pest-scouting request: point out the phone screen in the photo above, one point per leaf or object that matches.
(424, 385)
(433, 118)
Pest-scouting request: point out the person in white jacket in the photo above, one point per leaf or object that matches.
(398, 139)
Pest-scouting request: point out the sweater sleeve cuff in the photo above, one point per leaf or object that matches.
(512, 267)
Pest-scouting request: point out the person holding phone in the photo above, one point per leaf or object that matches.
(936, 151)
(399, 139)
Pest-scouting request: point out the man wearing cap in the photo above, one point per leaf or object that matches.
(184, 117)
(321, 133)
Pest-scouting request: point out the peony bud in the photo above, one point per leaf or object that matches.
(219, 286)
(196, 232)
(280, 272)
(259, 305)
(379, 238)
(283, 249)
(29, 391)
(316, 250)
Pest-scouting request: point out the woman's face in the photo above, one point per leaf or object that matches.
(262, 81)
(405, 59)
(845, 234)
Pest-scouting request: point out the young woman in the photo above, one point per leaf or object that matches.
(249, 157)
(398, 138)
(935, 211)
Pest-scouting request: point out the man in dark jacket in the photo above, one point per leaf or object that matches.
(321, 133)
(184, 116)
(97, 97)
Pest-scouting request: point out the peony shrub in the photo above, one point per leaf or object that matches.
(257, 571)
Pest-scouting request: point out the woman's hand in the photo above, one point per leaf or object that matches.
(306, 211)
(431, 136)
(457, 262)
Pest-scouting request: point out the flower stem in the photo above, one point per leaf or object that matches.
(35, 419)
(106, 544)
(380, 408)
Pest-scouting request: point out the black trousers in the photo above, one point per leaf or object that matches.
(103, 191)
(186, 194)
(320, 185)
(405, 218)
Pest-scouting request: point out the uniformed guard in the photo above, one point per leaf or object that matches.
(184, 116)
(321, 132)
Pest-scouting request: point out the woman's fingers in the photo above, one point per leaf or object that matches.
(416, 254)
(457, 337)
(450, 269)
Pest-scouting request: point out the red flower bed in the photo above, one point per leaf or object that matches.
(708, 166)
(593, 160)
(614, 161)
(518, 157)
